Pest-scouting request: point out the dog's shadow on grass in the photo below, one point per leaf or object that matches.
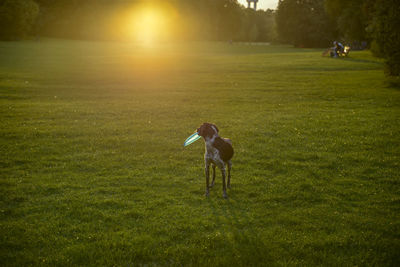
(235, 219)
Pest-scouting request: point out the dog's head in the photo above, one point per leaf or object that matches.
(207, 130)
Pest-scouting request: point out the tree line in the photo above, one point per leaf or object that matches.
(302, 23)
(96, 19)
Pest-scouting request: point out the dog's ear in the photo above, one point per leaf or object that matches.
(216, 128)
(211, 129)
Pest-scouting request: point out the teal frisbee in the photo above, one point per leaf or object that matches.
(194, 137)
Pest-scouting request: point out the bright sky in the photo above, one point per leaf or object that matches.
(262, 4)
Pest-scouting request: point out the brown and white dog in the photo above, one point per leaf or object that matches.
(219, 152)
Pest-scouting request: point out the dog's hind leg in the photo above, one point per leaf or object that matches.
(223, 182)
(229, 173)
(213, 178)
(207, 172)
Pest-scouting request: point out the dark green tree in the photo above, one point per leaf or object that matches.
(304, 23)
(17, 18)
(385, 28)
(351, 18)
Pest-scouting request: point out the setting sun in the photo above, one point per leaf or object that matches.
(150, 23)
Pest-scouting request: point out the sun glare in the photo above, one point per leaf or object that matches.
(149, 24)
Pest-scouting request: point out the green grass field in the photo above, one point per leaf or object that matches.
(93, 171)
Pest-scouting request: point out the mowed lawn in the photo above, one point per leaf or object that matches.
(94, 172)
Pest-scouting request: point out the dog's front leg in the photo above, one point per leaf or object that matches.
(213, 179)
(207, 171)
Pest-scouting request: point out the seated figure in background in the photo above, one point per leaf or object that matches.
(338, 49)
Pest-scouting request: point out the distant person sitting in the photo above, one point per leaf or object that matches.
(338, 49)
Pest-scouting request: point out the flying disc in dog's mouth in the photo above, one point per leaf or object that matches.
(194, 137)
